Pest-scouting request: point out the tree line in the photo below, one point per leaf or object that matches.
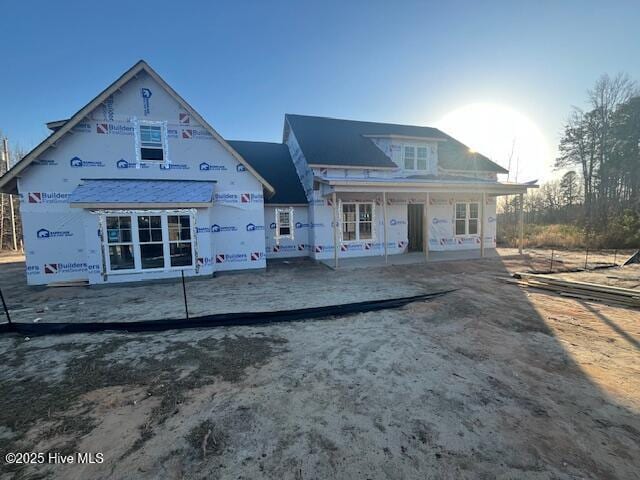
(600, 147)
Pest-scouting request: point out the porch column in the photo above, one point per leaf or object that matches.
(425, 222)
(482, 210)
(335, 230)
(384, 228)
(521, 223)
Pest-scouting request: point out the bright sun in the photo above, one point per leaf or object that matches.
(494, 130)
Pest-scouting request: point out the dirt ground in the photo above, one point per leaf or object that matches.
(490, 381)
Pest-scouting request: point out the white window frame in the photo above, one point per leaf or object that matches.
(138, 251)
(135, 240)
(138, 142)
(107, 244)
(357, 222)
(466, 219)
(416, 147)
(279, 236)
(190, 241)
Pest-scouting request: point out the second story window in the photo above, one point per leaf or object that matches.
(151, 143)
(416, 157)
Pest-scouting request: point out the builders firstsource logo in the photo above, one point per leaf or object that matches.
(231, 198)
(71, 267)
(47, 197)
(231, 257)
(44, 233)
(113, 129)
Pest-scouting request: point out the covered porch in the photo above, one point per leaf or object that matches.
(442, 220)
(409, 258)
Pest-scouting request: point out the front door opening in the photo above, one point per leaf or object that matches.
(415, 226)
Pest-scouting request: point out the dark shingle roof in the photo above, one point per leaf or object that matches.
(273, 162)
(331, 141)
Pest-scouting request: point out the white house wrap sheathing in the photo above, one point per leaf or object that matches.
(298, 246)
(63, 243)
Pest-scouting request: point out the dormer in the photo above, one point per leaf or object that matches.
(412, 155)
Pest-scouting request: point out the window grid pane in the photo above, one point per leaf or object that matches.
(365, 231)
(460, 227)
(409, 157)
(151, 244)
(473, 210)
(179, 227)
(461, 210)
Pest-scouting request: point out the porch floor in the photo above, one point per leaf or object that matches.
(409, 258)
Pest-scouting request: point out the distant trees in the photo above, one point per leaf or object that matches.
(570, 188)
(600, 145)
(604, 143)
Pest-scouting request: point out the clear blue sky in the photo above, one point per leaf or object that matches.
(243, 64)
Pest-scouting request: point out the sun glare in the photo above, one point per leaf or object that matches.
(496, 131)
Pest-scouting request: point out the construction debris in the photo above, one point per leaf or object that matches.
(635, 258)
(616, 296)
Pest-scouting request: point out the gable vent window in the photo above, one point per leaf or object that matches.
(151, 145)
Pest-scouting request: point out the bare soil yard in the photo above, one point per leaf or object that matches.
(491, 381)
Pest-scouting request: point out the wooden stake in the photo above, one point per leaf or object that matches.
(384, 214)
(335, 230)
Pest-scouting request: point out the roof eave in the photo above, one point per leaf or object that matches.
(359, 167)
(493, 187)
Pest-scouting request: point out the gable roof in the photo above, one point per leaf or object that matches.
(346, 143)
(273, 162)
(8, 180)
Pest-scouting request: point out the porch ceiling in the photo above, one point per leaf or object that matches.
(375, 186)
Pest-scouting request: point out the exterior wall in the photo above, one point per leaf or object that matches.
(322, 244)
(286, 247)
(441, 216)
(102, 146)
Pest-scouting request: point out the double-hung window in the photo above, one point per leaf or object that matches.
(136, 242)
(357, 221)
(151, 143)
(284, 223)
(466, 221)
(180, 242)
(416, 157)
